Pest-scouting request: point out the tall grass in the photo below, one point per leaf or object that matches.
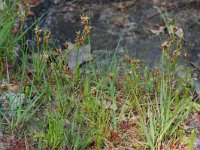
(86, 108)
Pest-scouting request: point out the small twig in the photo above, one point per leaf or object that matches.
(194, 65)
(167, 9)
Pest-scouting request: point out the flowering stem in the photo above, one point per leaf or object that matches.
(77, 66)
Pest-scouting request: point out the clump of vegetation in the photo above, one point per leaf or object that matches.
(44, 105)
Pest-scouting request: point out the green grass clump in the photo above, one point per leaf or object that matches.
(89, 108)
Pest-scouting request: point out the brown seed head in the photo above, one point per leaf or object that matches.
(129, 72)
(85, 20)
(66, 69)
(39, 40)
(37, 30)
(81, 40)
(137, 63)
(86, 30)
(93, 90)
(66, 45)
(47, 35)
(59, 51)
(77, 39)
(165, 45)
(111, 76)
(156, 71)
(175, 29)
(176, 53)
(172, 61)
(128, 58)
(46, 57)
(23, 18)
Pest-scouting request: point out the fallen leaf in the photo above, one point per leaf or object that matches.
(158, 31)
(179, 33)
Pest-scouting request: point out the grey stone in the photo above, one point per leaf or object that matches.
(197, 143)
(2, 145)
(130, 28)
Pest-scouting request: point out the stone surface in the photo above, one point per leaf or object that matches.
(2, 145)
(197, 143)
(126, 24)
(198, 91)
